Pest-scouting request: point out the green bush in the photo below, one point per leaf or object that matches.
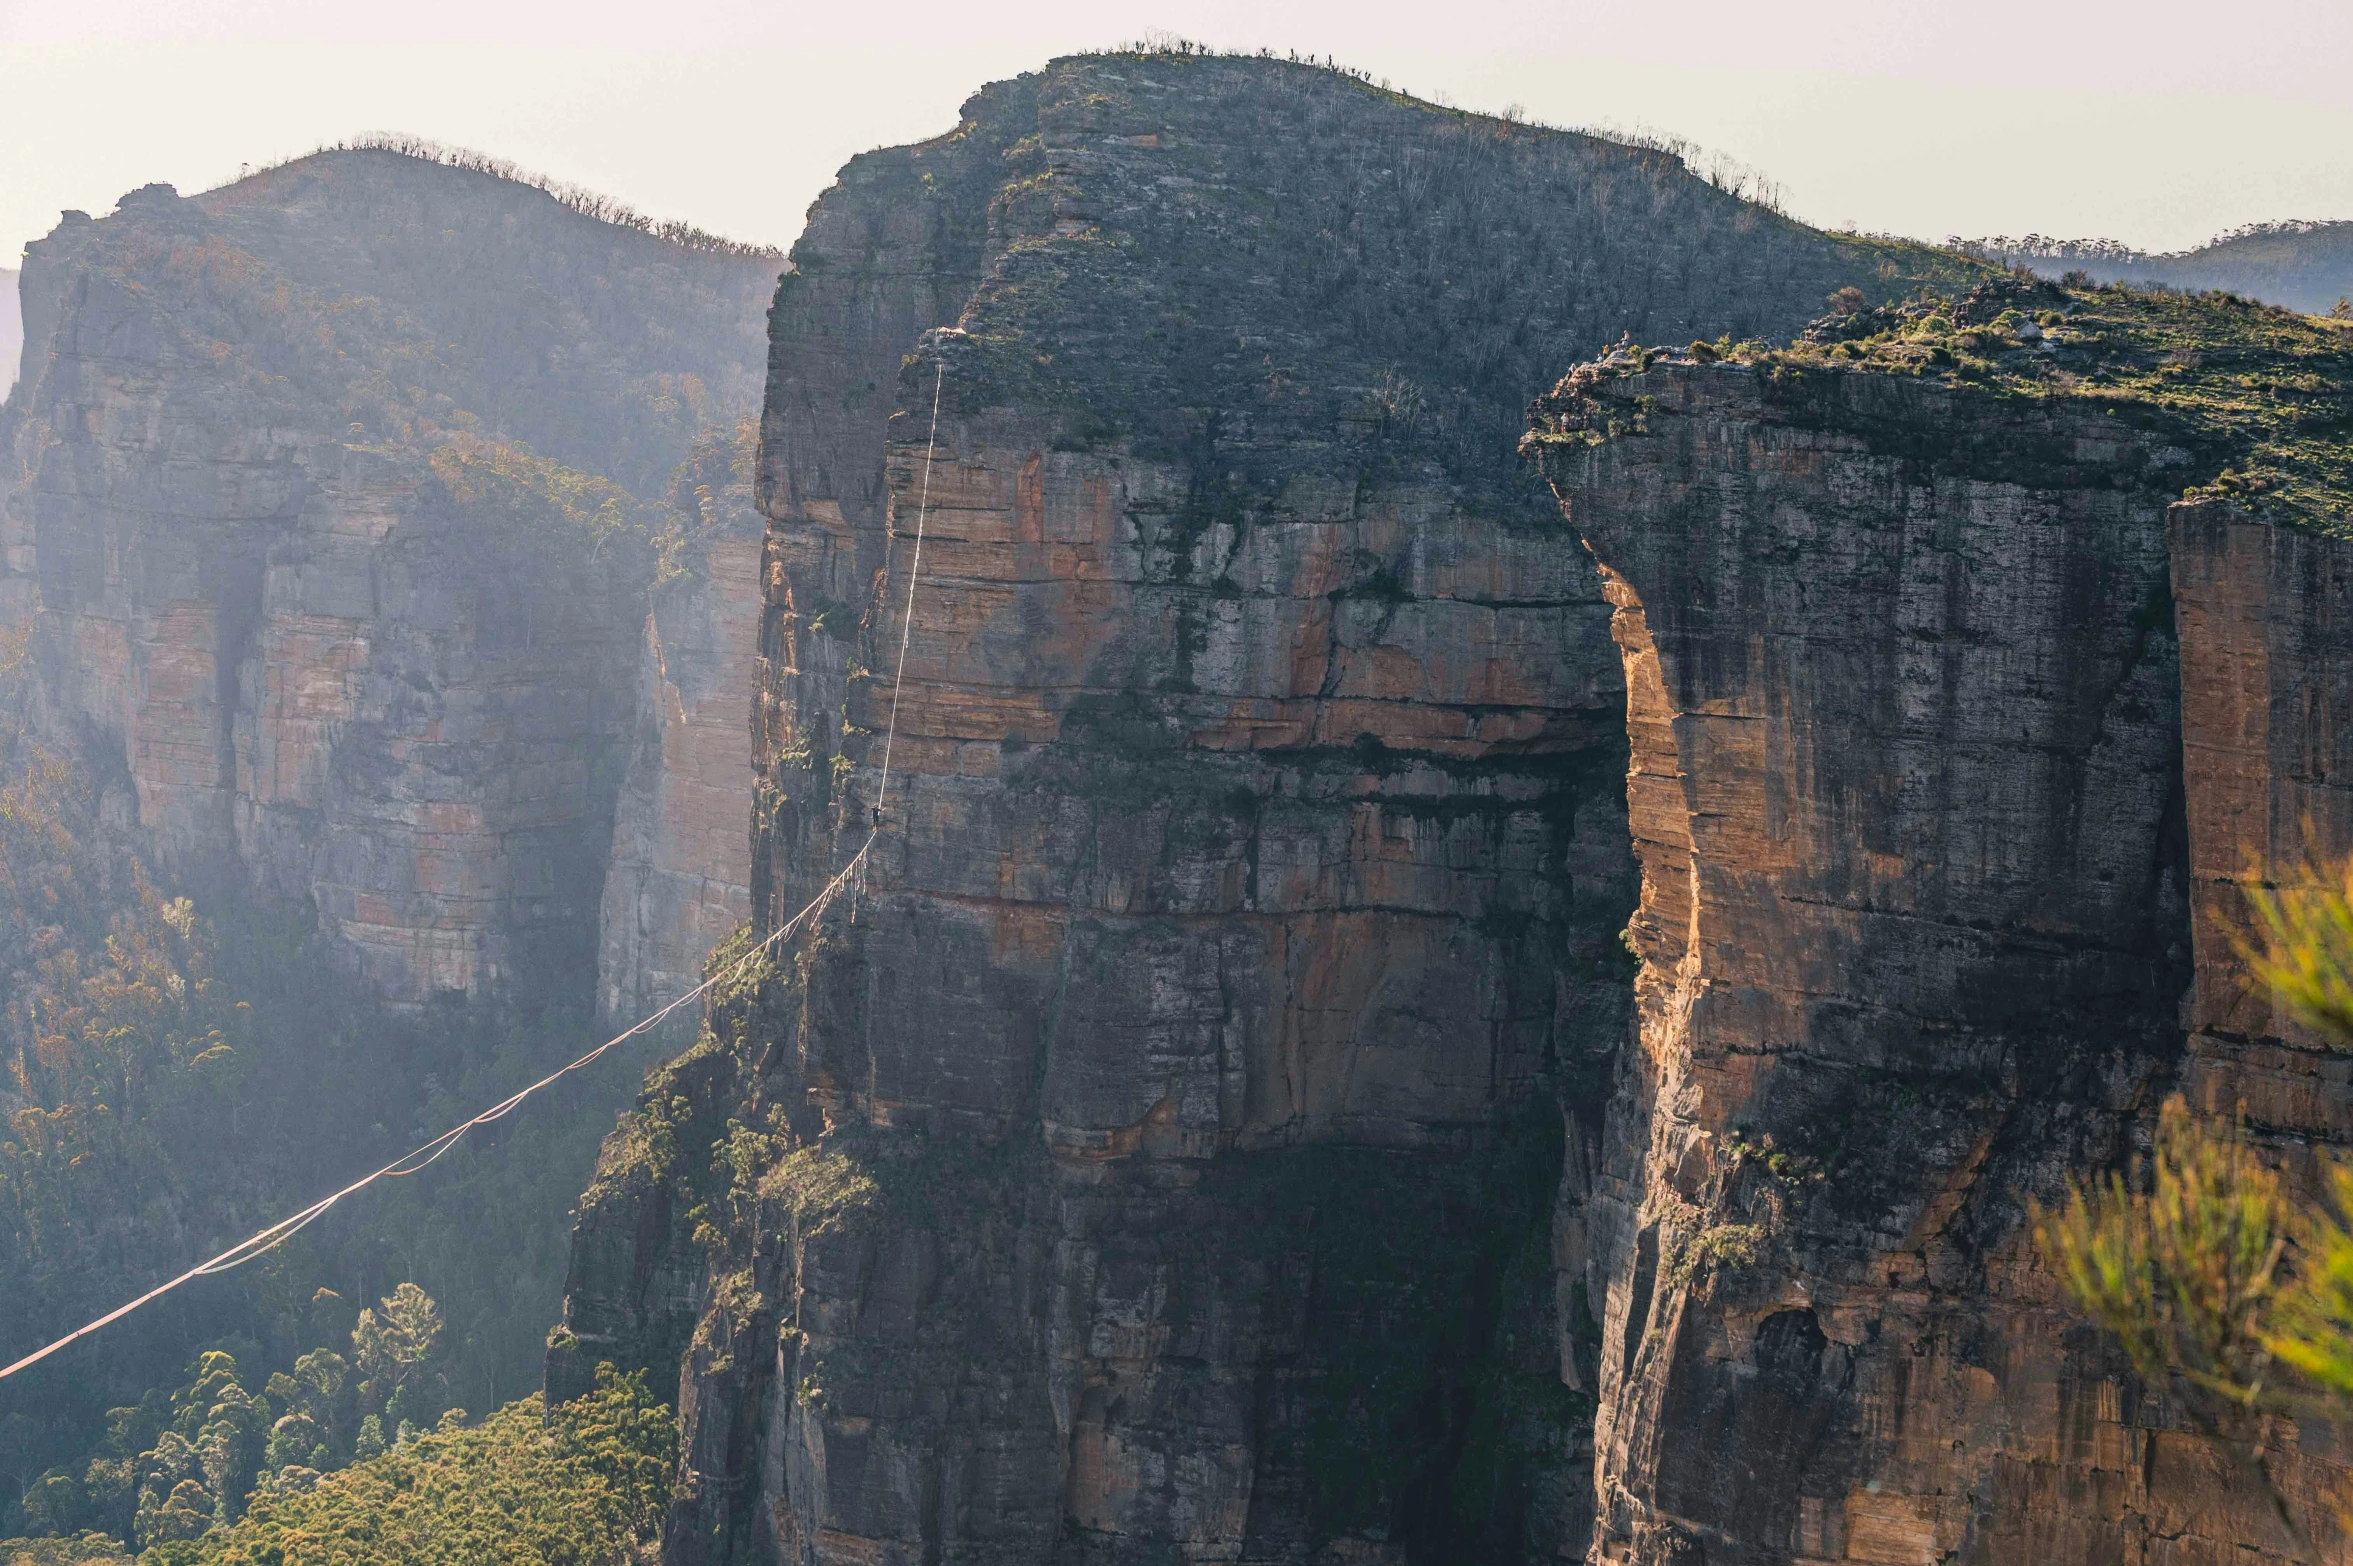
(85, 1549)
(587, 1482)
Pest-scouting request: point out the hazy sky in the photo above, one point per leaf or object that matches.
(2157, 123)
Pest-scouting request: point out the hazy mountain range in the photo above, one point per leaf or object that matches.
(2305, 266)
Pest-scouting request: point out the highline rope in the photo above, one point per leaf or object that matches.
(263, 1241)
(914, 573)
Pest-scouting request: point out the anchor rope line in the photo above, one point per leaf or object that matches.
(914, 575)
(263, 1241)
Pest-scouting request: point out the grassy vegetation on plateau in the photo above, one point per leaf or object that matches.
(2260, 397)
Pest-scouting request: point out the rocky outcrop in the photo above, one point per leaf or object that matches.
(1347, 898)
(1175, 1146)
(328, 492)
(1919, 872)
(335, 504)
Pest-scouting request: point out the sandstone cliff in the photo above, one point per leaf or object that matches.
(2267, 672)
(332, 490)
(12, 333)
(1177, 1147)
(678, 880)
(1949, 755)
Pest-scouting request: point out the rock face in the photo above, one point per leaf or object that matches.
(1919, 871)
(334, 491)
(2267, 756)
(679, 877)
(12, 333)
(1175, 1146)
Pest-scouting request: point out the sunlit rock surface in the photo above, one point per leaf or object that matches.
(1945, 741)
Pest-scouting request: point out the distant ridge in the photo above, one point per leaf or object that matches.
(588, 203)
(2303, 265)
(554, 316)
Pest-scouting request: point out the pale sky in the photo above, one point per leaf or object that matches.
(2157, 123)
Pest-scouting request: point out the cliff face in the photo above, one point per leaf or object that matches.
(336, 504)
(679, 877)
(1177, 1146)
(1929, 892)
(2267, 754)
(332, 490)
(12, 333)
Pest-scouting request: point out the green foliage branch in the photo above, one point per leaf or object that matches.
(2219, 1287)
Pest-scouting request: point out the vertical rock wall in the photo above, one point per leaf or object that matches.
(311, 665)
(1178, 949)
(1916, 931)
(2267, 754)
(12, 332)
(679, 878)
(1219, 1028)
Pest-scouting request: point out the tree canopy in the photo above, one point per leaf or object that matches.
(583, 1484)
